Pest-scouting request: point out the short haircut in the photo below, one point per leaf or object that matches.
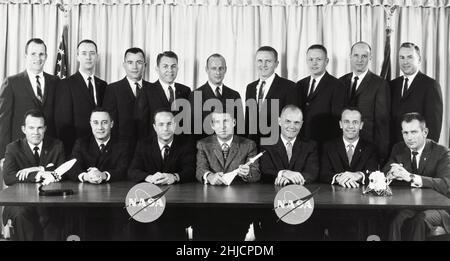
(221, 110)
(34, 113)
(352, 108)
(411, 45)
(361, 42)
(101, 109)
(269, 49)
(162, 110)
(133, 50)
(169, 54)
(87, 41)
(291, 107)
(36, 41)
(214, 55)
(410, 116)
(318, 47)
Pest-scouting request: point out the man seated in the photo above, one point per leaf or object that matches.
(100, 157)
(290, 160)
(421, 163)
(224, 152)
(218, 154)
(164, 159)
(33, 159)
(348, 160)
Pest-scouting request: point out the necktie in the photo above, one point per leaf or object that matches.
(405, 87)
(138, 90)
(350, 153)
(311, 90)
(353, 91)
(261, 91)
(218, 95)
(91, 89)
(166, 152)
(38, 89)
(414, 162)
(289, 150)
(36, 155)
(225, 150)
(172, 96)
(102, 148)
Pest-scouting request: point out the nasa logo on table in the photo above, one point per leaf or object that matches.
(145, 202)
(289, 206)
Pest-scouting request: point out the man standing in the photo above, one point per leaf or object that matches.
(421, 163)
(348, 160)
(370, 94)
(213, 90)
(100, 157)
(321, 98)
(290, 160)
(77, 96)
(415, 92)
(122, 99)
(268, 88)
(30, 89)
(32, 159)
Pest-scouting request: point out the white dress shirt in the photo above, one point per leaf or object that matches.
(266, 86)
(85, 77)
(33, 82)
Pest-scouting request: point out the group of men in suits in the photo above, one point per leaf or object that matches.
(134, 136)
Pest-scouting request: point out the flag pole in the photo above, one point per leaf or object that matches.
(386, 67)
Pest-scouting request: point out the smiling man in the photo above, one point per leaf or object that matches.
(415, 92)
(346, 161)
(122, 98)
(77, 96)
(30, 89)
(370, 94)
(290, 160)
(421, 163)
(100, 157)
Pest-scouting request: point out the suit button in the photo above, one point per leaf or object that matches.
(307, 104)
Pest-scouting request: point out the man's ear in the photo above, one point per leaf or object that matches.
(23, 129)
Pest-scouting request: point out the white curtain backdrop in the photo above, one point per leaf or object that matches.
(194, 29)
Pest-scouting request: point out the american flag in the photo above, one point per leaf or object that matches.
(61, 58)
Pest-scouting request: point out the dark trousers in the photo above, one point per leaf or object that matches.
(33, 223)
(414, 225)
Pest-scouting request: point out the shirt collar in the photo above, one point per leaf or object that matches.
(285, 141)
(86, 76)
(228, 142)
(317, 79)
(102, 142)
(419, 151)
(268, 81)
(32, 147)
(166, 85)
(33, 76)
(361, 76)
(161, 145)
(213, 87)
(346, 143)
(411, 77)
(132, 82)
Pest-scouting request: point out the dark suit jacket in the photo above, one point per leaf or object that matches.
(115, 159)
(206, 94)
(321, 110)
(148, 160)
(305, 159)
(282, 90)
(423, 96)
(19, 156)
(74, 107)
(373, 100)
(434, 165)
(17, 97)
(210, 157)
(334, 159)
(155, 99)
(126, 111)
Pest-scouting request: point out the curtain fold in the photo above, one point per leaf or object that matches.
(195, 31)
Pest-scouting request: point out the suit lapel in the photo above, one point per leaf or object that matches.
(272, 88)
(357, 153)
(28, 152)
(161, 94)
(412, 85)
(322, 84)
(234, 149)
(47, 85)
(281, 149)
(405, 158)
(364, 83)
(342, 151)
(156, 154)
(424, 157)
(29, 88)
(127, 89)
(296, 151)
(218, 151)
(84, 88)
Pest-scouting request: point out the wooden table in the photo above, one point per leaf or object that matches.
(239, 195)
